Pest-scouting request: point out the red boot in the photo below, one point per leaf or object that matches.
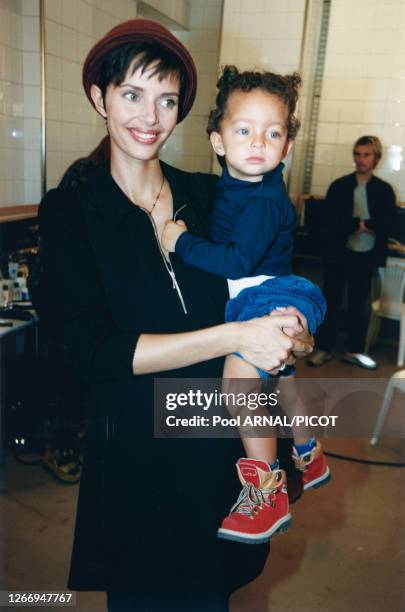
(315, 472)
(262, 506)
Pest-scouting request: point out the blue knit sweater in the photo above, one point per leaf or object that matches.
(252, 227)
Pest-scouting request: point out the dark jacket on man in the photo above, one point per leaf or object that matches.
(338, 221)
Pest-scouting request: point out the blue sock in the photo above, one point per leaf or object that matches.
(303, 449)
(274, 466)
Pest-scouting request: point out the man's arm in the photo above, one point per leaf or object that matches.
(387, 219)
(337, 221)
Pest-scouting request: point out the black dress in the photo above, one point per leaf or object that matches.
(148, 508)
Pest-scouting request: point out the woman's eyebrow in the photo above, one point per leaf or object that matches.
(131, 86)
(141, 89)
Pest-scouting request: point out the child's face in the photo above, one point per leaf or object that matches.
(253, 134)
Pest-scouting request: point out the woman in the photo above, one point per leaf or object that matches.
(148, 508)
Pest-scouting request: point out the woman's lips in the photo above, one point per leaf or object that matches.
(144, 136)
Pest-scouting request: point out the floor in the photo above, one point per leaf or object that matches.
(344, 552)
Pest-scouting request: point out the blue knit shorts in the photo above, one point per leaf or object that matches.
(281, 291)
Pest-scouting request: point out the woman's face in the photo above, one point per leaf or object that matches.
(141, 113)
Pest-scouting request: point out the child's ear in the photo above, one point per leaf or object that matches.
(97, 97)
(217, 144)
(287, 148)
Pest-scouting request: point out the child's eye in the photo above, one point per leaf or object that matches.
(274, 134)
(169, 102)
(243, 131)
(131, 96)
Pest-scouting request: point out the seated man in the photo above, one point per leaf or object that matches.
(358, 218)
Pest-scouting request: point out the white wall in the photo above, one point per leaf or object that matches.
(298, 159)
(73, 127)
(262, 33)
(20, 105)
(159, 10)
(363, 89)
(189, 147)
(72, 27)
(364, 79)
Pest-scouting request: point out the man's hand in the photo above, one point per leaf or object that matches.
(363, 229)
(171, 233)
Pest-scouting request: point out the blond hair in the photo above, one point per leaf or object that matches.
(370, 141)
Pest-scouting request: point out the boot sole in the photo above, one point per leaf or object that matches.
(281, 526)
(319, 482)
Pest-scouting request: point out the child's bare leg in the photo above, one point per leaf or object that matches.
(245, 522)
(293, 405)
(291, 400)
(241, 377)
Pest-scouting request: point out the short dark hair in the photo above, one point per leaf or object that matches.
(370, 141)
(284, 87)
(117, 63)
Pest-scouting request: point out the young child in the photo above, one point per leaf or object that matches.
(251, 130)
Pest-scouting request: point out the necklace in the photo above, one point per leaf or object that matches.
(157, 198)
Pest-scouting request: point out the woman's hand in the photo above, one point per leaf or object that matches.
(260, 341)
(171, 232)
(264, 344)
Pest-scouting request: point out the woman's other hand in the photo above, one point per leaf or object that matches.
(171, 233)
(266, 346)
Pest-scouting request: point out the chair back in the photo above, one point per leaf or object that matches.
(392, 289)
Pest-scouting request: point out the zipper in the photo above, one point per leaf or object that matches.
(166, 260)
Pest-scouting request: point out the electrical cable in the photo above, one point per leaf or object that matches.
(365, 461)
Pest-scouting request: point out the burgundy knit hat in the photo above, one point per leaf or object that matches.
(138, 31)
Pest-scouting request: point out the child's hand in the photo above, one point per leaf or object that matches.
(298, 327)
(171, 233)
(299, 331)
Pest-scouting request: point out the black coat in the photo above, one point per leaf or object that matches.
(338, 221)
(148, 508)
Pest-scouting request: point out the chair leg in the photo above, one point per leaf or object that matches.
(401, 348)
(373, 329)
(383, 412)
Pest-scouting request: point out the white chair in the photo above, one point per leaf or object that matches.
(397, 381)
(390, 304)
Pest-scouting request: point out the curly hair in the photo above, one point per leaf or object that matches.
(284, 87)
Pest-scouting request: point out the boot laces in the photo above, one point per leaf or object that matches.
(302, 461)
(249, 498)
